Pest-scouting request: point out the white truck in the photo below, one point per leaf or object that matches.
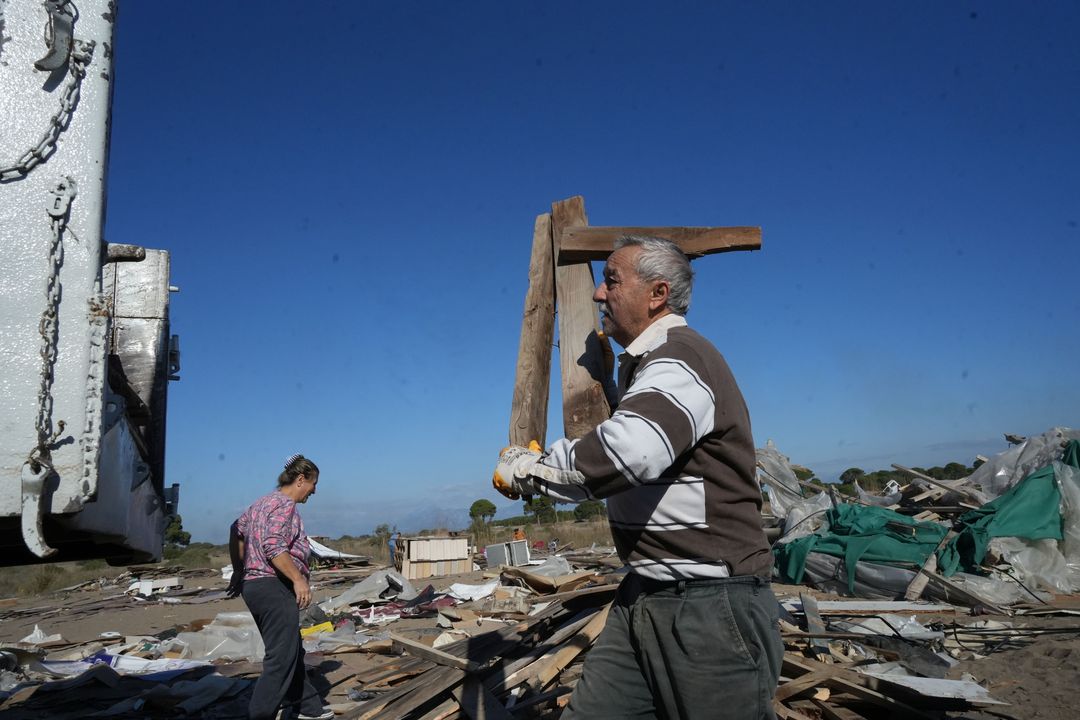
(86, 353)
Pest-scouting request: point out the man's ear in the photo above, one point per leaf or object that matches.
(659, 295)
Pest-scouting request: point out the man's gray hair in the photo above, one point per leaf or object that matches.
(662, 259)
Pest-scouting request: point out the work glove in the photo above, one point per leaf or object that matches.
(515, 462)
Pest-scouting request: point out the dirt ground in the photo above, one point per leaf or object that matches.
(1038, 680)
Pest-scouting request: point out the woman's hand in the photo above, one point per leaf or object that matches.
(236, 584)
(303, 592)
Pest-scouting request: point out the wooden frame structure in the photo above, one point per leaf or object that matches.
(561, 285)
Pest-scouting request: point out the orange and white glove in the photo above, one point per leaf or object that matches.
(514, 465)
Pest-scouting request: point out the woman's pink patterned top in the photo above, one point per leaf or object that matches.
(270, 527)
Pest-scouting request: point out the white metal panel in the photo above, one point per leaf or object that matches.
(31, 98)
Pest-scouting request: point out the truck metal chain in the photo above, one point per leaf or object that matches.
(57, 208)
(81, 55)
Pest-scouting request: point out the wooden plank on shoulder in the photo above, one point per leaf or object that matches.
(580, 357)
(582, 243)
(528, 412)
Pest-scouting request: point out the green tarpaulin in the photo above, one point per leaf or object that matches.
(1031, 510)
(858, 533)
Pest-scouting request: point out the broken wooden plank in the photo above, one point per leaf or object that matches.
(584, 243)
(799, 685)
(783, 712)
(918, 583)
(445, 710)
(433, 684)
(851, 682)
(943, 485)
(548, 667)
(478, 703)
(581, 360)
(435, 655)
(532, 379)
(498, 680)
(831, 711)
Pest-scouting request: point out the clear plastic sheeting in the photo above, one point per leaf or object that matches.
(1050, 564)
(885, 582)
(231, 635)
(776, 476)
(868, 498)
(801, 516)
(344, 638)
(1006, 469)
(806, 517)
(555, 566)
(381, 586)
(889, 624)
(462, 591)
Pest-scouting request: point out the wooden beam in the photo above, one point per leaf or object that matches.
(581, 243)
(580, 358)
(799, 685)
(944, 486)
(419, 649)
(528, 411)
(836, 712)
(918, 583)
(546, 667)
(478, 703)
(849, 681)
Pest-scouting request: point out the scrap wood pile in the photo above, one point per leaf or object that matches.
(516, 671)
(512, 642)
(860, 659)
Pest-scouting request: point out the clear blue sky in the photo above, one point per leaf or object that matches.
(348, 191)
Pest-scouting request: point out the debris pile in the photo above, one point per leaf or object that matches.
(1008, 533)
(900, 587)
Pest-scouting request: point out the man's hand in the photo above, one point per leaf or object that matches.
(303, 592)
(514, 464)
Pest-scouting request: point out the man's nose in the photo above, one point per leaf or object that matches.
(599, 294)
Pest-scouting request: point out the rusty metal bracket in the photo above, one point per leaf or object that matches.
(58, 35)
(33, 490)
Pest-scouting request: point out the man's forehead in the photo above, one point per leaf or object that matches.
(622, 260)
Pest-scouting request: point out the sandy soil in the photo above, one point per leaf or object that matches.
(1038, 680)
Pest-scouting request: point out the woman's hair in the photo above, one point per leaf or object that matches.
(296, 466)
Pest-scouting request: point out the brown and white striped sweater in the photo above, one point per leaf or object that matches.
(675, 462)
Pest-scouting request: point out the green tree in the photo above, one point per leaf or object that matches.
(955, 471)
(175, 533)
(482, 510)
(589, 509)
(851, 475)
(541, 507)
(382, 531)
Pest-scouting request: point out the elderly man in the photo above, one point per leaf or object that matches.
(693, 630)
